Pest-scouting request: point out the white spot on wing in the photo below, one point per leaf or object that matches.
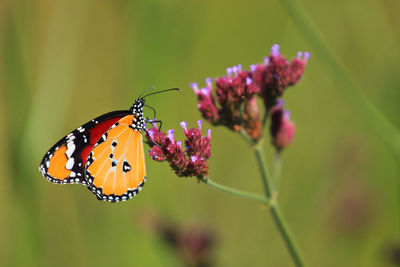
(70, 163)
(71, 138)
(70, 150)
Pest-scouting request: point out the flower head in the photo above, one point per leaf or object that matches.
(282, 129)
(206, 104)
(234, 102)
(277, 73)
(233, 94)
(186, 163)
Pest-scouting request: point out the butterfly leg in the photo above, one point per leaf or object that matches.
(154, 143)
(153, 109)
(154, 121)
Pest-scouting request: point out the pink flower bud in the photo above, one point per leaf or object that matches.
(282, 129)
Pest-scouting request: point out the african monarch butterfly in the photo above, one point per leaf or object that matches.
(105, 154)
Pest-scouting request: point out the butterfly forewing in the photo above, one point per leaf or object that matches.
(115, 168)
(65, 162)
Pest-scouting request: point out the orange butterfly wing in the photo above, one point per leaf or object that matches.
(115, 168)
(65, 162)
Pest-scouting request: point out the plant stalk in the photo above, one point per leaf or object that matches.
(279, 220)
(233, 191)
(277, 171)
(283, 228)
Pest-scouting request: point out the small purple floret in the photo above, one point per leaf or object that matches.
(235, 69)
(275, 50)
(195, 88)
(171, 135)
(205, 91)
(184, 126)
(199, 122)
(248, 80)
(209, 82)
(194, 85)
(253, 68)
(266, 61)
(209, 133)
(151, 133)
(307, 55)
(193, 158)
(299, 55)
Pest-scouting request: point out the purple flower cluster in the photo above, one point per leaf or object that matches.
(235, 104)
(276, 74)
(188, 162)
(234, 92)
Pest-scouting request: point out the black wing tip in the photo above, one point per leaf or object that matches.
(67, 180)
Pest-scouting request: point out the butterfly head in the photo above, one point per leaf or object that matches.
(137, 107)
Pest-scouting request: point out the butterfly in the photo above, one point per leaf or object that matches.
(105, 154)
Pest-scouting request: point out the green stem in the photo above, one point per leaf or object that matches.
(259, 153)
(246, 137)
(234, 191)
(274, 209)
(265, 119)
(283, 228)
(277, 171)
(378, 122)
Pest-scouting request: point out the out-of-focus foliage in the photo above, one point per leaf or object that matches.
(64, 62)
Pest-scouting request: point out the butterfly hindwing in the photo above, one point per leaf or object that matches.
(115, 168)
(65, 162)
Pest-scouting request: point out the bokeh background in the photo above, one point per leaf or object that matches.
(64, 62)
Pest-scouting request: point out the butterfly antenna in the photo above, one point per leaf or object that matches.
(147, 89)
(172, 89)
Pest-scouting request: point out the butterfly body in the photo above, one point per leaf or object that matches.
(106, 154)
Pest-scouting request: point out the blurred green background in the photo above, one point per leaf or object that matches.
(65, 62)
